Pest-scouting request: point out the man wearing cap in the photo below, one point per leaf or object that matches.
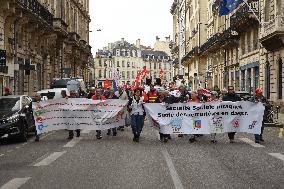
(258, 97)
(232, 97)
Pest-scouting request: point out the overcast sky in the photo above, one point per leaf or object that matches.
(129, 19)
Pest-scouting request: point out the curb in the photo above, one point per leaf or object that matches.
(278, 125)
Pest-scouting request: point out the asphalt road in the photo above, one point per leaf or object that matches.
(117, 162)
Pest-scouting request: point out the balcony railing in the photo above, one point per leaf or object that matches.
(211, 42)
(275, 25)
(190, 54)
(243, 15)
(38, 9)
(228, 37)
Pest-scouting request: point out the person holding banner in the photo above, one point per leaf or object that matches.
(213, 98)
(162, 99)
(258, 97)
(73, 94)
(137, 114)
(37, 99)
(112, 96)
(233, 97)
(98, 96)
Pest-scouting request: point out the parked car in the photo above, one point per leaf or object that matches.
(16, 117)
(49, 94)
(244, 95)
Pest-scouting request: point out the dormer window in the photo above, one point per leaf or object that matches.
(117, 52)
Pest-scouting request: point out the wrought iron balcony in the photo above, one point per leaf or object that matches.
(212, 42)
(190, 54)
(60, 26)
(272, 34)
(74, 38)
(244, 17)
(229, 37)
(37, 9)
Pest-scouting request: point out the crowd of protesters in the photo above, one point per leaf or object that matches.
(137, 97)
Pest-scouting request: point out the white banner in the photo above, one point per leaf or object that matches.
(206, 118)
(78, 113)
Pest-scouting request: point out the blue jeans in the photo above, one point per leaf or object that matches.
(137, 123)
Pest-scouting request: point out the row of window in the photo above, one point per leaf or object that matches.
(124, 74)
(108, 63)
(123, 52)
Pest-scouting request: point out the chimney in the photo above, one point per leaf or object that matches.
(157, 38)
(168, 39)
(138, 43)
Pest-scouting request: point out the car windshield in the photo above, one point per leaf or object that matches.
(9, 104)
(62, 83)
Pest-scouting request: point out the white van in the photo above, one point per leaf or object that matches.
(48, 94)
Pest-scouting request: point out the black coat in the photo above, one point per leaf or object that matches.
(232, 97)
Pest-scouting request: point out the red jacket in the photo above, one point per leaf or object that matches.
(152, 96)
(94, 97)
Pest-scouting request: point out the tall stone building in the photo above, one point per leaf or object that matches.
(42, 40)
(122, 61)
(243, 49)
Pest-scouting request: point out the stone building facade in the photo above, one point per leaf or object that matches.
(126, 60)
(42, 40)
(236, 49)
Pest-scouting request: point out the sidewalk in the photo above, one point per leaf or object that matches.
(281, 118)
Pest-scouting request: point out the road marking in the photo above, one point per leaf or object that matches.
(43, 137)
(15, 183)
(9, 151)
(85, 131)
(18, 147)
(50, 159)
(173, 172)
(252, 143)
(277, 155)
(72, 143)
(24, 144)
(2, 155)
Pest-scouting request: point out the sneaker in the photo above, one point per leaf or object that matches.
(213, 141)
(232, 141)
(78, 134)
(256, 141)
(191, 140)
(37, 138)
(180, 135)
(114, 134)
(165, 140)
(122, 129)
(99, 137)
(108, 133)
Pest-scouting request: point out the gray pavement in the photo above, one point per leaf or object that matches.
(117, 162)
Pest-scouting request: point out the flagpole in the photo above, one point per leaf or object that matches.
(253, 12)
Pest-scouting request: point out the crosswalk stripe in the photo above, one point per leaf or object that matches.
(277, 155)
(85, 131)
(50, 159)
(72, 143)
(15, 183)
(252, 143)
